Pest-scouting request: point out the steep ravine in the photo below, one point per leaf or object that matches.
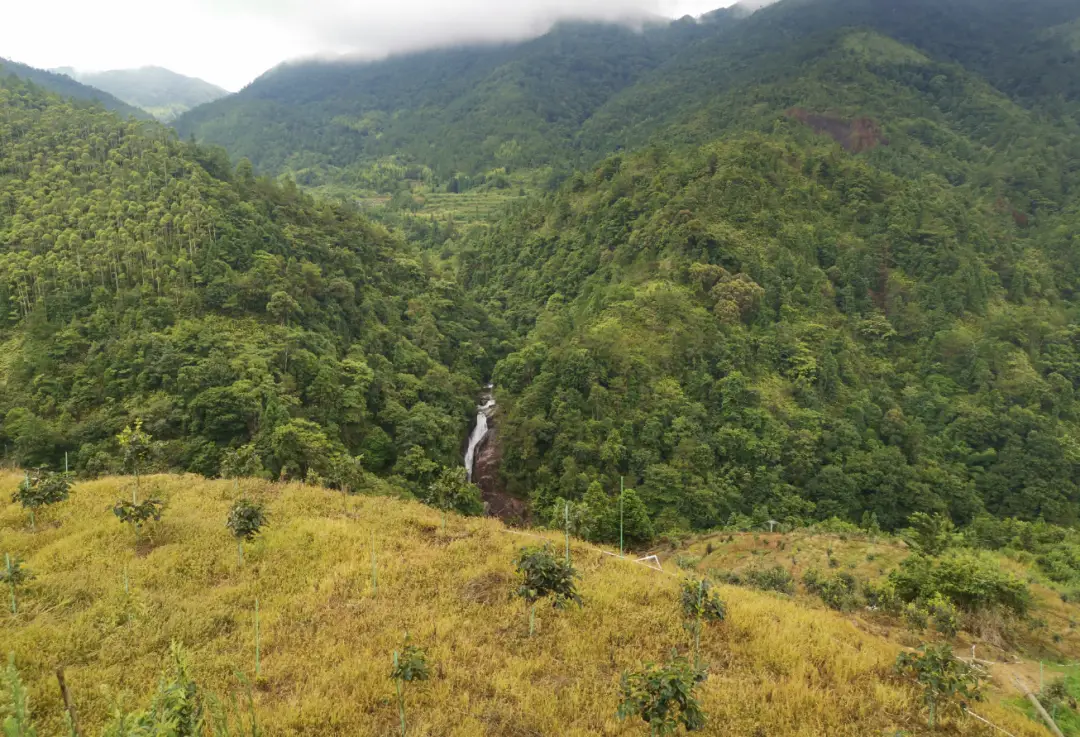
(483, 455)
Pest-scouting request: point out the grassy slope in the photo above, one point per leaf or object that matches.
(777, 668)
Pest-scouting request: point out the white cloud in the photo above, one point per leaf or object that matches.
(230, 42)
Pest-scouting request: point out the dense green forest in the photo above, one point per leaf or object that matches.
(773, 324)
(816, 261)
(160, 92)
(569, 98)
(455, 111)
(243, 322)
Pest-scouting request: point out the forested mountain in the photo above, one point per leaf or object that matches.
(65, 86)
(160, 92)
(819, 260)
(468, 110)
(859, 303)
(1023, 50)
(241, 321)
(583, 90)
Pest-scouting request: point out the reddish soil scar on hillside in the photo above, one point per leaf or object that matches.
(856, 136)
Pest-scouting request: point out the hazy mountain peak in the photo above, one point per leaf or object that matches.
(161, 92)
(749, 7)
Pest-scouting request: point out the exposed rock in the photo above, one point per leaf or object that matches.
(856, 136)
(498, 501)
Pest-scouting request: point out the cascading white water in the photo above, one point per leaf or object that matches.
(479, 432)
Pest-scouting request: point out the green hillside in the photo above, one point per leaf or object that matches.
(583, 91)
(160, 92)
(1019, 49)
(463, 110)
(830, 273)
(781, 306)
(772, 324)
(65, 86)
(145, 278)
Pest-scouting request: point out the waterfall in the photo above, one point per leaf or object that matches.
(483, 410)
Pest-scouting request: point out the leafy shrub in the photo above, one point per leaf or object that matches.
(242, 462)
(15, 708)
(135, 448)
(776, 578)
(687, 562)
(139, 513)
(1061, 563)
(943, 678)
(410, 665)
(451, 491)
(915, 616)
(1071, 596)
(882, 595)
(177, 707)
(944, 615)
(699, 605)
(930, 535)
(246, 519)
(699, 602)
(40, 488)
(14, 575)
(839, 591)
(971, 581)
(1056, 695)
(543, 575)
(663, 696)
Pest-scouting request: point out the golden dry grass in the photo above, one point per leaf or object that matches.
(776, 668)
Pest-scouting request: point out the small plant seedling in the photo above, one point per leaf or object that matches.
(135, 446)
(246, 520)
(140, 513)
(40, 488)
(14, 574)
(409, 665)
(700, 605)
(17, 723)
(664, 696)
(943, 677)
(543, 575)
(178, 707)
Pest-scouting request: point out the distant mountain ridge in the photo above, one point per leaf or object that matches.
(159, 91)
(584, 90)
(465, 109)
(66, 86)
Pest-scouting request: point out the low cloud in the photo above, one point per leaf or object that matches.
(230, 42)
(376, 29)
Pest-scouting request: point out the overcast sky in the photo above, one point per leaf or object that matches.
(230, 42)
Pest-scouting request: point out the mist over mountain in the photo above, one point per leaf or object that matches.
(160, 92)
(65, 86)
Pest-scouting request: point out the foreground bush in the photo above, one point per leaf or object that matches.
(944, 679)
(664, 696)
